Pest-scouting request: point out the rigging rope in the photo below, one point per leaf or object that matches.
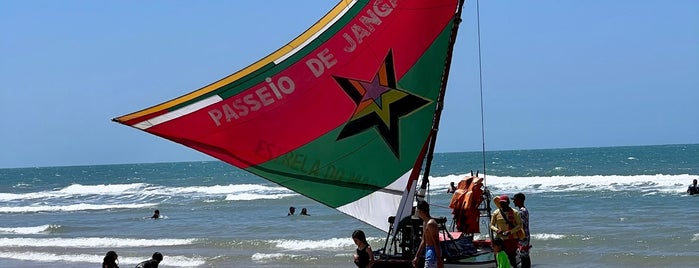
(480, 84)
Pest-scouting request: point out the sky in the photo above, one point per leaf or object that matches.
(555, 74)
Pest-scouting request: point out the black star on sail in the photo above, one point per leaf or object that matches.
(380, 104)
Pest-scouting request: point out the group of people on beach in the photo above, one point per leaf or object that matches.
(111, 261)
(364, 257)
(511, 228)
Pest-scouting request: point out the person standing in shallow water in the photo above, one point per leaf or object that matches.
(506, 223)
(693, 189)
(430, 238)
(452, 188)
(110, 260)
(153, 262)
(524, 243)
(364, 257)
(500, 256)
(156, 215)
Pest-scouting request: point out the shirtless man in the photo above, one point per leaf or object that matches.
(430, 238)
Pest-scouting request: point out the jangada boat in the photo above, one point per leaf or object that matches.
(345, 114)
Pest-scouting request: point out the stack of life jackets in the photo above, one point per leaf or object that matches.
(465, 202)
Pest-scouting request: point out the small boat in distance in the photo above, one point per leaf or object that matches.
(345, 114)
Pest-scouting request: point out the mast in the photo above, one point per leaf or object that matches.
(440, 100)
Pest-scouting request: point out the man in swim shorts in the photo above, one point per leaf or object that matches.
(430, 238)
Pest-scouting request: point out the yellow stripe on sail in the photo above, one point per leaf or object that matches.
(281, 53)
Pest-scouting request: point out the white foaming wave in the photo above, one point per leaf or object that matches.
(276, 257)
(168, 261)
(28, 230)
(92, 242)
(244, 191)
(695, 238)
(669, 184)
(227, 189)
(547, 236)
(78, 190)
(326, 244)
(333, 243)
(180, 261)
(103, 189)
(74, 207)
(248, 197)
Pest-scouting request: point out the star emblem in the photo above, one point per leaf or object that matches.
(380, 104)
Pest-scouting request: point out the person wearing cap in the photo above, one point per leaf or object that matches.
(153, 262)
(506, 223)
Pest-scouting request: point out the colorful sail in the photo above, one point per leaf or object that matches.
(340, 114)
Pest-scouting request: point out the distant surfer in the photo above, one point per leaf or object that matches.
(693, 189)
(291, 211)
(156, 214)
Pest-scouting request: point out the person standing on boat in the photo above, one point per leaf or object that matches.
(365, 256)
(524, 245)
(430, 238)
(506, 224)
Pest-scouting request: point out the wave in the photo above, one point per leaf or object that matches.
(92, 242)
(140, 191)
(547, 236)
(249, 197)
(647, 184)
(124, 261)
(280, 257)
(325, 244)
(74, 207)
(47, 228)
(74, 190)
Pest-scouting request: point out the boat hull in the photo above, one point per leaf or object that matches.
(400, 263)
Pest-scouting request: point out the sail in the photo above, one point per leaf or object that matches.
(340, 114)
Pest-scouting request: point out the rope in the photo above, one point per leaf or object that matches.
(480, 84)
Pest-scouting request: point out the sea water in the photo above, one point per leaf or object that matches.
(590, 207)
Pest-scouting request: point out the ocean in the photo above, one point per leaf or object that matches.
(590, 207)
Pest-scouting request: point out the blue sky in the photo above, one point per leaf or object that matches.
(556, 74)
